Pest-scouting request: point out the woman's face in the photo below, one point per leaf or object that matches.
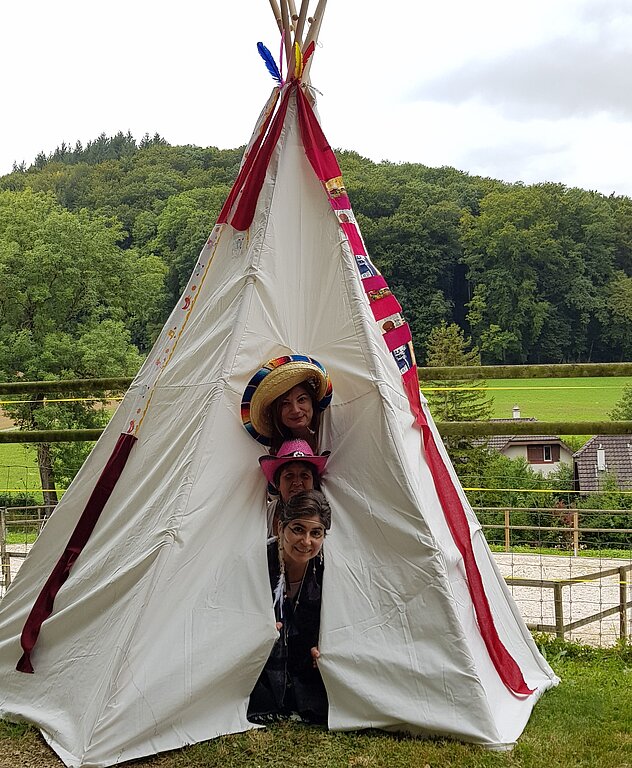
(296, 410)
(294, 477)
(302, 539)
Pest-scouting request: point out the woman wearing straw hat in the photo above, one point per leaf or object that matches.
(290, 681)
(284, 401)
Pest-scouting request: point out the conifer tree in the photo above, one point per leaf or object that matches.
(458, 400)
(622, 410)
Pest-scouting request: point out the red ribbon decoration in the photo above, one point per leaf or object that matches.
(43, 606)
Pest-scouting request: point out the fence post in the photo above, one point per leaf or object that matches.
(507, 534)
(623, 599)
(575, 532)
(559, 610)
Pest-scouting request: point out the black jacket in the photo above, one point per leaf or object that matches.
(289, 681)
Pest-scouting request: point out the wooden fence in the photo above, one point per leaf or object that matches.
(560, 628)
(453, 373)
(573, 530)
(31, 523)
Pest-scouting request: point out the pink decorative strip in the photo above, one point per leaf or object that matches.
(326, 167)
(388, 305)
(340, 203)
(355, 241)
(397, 337)
(374, 283)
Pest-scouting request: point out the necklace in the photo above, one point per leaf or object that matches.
(296, 598)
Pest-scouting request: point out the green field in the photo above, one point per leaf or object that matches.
(582, 399)
(580, 724)
(18, 469)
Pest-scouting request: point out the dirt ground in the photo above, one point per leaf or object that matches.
(5, 423)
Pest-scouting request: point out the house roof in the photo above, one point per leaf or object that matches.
(500, 442)
(618, 460)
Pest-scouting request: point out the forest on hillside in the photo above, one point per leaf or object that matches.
(97, 242)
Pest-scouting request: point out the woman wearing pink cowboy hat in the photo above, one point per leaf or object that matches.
(294, 469)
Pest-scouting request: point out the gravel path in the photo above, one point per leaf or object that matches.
(579, 600)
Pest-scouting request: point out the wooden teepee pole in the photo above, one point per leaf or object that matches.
(287, 37)
(277, 14)
(300, 24)
(312, 35)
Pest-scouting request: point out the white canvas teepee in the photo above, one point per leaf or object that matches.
(144, 607)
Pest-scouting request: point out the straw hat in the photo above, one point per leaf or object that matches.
(292, 450)
(274, 379)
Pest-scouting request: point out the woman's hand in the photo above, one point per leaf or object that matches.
(279, 626)
(315, 656)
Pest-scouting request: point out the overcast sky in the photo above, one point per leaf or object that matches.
(522, 91)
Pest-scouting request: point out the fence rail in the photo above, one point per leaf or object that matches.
(446, 429)
(560, 628)
(573, 527)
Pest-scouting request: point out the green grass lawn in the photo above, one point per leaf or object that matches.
(18, 469)
(583, 723)
(581, 399)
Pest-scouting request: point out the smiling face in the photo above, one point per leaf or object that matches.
(296, 410)
(294, 477)
(302, 539)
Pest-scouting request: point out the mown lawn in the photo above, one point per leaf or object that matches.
(584, 723)
(18, 469)
(581, 399)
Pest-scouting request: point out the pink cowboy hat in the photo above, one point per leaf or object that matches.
(292, 450)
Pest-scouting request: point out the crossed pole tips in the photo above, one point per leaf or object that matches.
(292, 26)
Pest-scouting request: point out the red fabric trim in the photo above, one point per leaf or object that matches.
(388, 305)
(397, 337)
(43, 606)
(317, 148)
(326, 167)
(374, 283)
(245, 211)
(507, 668)
(245, 170)
(355, 241)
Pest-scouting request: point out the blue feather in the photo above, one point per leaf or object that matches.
(271, 65)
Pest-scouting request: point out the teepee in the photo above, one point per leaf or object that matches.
(142, 617)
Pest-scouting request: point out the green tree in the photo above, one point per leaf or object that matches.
(458, 400)
(622, 410)
(617, 313)
(181, 230)
(538, 259)
(64, 299)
